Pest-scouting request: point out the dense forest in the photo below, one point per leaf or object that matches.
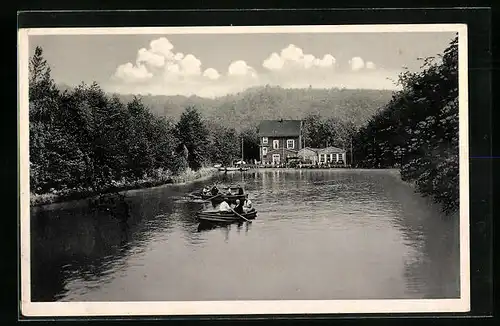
(83, 140)
(245, 109)
(417, 130)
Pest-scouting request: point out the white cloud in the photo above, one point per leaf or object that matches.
(150, 58)
(327, 61)
(211, 73)
(179, 56)
(370, 65)
(357, 63)
(274, 62)
(159, 69)
(160, 60)
(241, 68)
(190, 65)
(293, 57)
(130, 73)
(292, 53)
(162, 46)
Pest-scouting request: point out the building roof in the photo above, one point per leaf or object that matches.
(326, 150)
(279, 128)
(329, 150)
(315, 150)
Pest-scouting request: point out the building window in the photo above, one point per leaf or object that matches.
(264, 140)
(264, 151)
(276, 144)
(290, 143)
(276, 158)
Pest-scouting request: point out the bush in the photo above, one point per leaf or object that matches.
(418, 130)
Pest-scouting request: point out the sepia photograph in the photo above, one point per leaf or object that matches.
(244, 170)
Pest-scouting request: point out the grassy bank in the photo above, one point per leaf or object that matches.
(153, 181)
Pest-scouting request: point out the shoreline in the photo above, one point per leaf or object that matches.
(184, 178)
(322, 169)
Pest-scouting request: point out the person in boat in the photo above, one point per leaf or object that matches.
(224, 207)
(238, 208)
(214, 190)
(247, 204)
(240, 191)
(205, 190)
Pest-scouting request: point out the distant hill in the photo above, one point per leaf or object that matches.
(247, 108)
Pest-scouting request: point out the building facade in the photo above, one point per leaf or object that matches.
(279, 140)
(328, 155)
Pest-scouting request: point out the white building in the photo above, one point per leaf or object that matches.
(332, 155)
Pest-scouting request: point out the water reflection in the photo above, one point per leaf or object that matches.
(337, 234)
(207, 226)
(67, 246)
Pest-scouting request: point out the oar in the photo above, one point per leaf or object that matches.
(240, 215)
(209, 199)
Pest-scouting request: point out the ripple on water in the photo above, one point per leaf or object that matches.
(318, 235)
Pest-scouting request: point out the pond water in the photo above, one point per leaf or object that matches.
(319, 234)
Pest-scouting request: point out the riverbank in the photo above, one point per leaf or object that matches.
(412, 184)
(186, 177)
(265, 169)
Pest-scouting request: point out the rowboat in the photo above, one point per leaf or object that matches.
(237, 193)
(224, 217)
(232, 169)
(230, 199)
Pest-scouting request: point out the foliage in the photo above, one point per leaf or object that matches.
(224, 143)
(250, 144)
(193, 135)
(323, 132)
(418, 130)
(83, 140)
(246, 109)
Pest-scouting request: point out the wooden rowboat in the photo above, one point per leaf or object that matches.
(230, 199)
(231, 169)
(224, 217)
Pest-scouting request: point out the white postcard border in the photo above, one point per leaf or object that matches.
(68, 309)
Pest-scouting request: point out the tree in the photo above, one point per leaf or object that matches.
(250, 143)
(314, 131)
(418, 129)
(193, 134)
(45, 134)
(224, 144)
(140, 151)
(320, 132)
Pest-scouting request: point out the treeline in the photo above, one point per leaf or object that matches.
(417, 130)
(320, 132)
(83, 140)
(246, 109)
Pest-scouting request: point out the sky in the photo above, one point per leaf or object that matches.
(212, 65)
